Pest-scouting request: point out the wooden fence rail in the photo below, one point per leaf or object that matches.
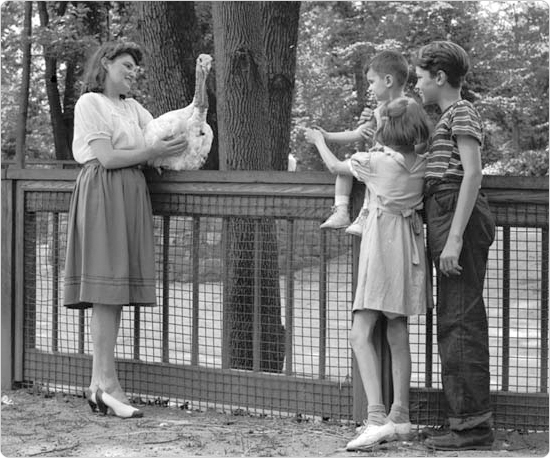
(315, 289)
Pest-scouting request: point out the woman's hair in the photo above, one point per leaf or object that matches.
(403, 123)
(392, 63)
(94, 77)
(445, 56)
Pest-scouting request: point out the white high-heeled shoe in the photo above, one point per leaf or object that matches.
(105, 402)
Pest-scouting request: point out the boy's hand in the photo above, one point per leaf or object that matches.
(366, 115)
(313, 135)
(448, 261)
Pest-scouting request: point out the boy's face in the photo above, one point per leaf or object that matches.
(426, 86)
(378, 85)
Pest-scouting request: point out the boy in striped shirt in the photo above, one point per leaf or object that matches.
(460, 231)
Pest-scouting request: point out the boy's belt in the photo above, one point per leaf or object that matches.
(433, 188)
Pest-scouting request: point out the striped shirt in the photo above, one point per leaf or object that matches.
(444, 163)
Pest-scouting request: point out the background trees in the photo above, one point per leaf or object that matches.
(507, 42)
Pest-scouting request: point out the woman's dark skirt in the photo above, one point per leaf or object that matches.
(110, 242)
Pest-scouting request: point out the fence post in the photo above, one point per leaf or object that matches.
(544, 313)
(8, 302)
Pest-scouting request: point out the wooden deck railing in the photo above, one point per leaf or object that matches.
(520, 311)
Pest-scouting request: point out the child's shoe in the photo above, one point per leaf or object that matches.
(338, 219)
(356, 228)
(372, 435)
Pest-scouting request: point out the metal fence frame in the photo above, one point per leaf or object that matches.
(291, 394)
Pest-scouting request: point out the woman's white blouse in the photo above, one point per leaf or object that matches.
(97, 117)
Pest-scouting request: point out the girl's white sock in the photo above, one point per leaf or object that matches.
(377, 414)
(399, 414)
(341, 200)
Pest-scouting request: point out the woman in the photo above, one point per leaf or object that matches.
(110, 251)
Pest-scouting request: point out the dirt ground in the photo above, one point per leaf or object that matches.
(63, 425)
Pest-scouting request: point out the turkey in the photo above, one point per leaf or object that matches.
(191, 121)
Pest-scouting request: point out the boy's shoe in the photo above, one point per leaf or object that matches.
(356, 228)
(403, 431)
(338, 219)
(435, 431)
(470, 439)
(373, 435)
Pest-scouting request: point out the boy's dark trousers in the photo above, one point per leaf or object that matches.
(462, 328)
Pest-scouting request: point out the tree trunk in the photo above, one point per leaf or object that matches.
(21, 133)
(359, 83)
(516, 146)
(170, 33)
(252, 291)
(70, 97)
(280, 20)
(60, 131)
(241, 84)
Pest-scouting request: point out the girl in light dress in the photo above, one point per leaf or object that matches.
(392, 276)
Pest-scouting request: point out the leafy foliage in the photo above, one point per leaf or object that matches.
(507, 43)
(526, 163)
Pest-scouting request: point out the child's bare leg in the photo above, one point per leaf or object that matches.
(378, 428)
(366, 354)
(398, 340)
(343, 185)
(340, 216)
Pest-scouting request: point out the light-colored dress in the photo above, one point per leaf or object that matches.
(392, 262)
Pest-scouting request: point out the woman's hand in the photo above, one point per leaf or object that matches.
(169, 146)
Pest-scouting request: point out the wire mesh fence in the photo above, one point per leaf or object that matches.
(254, 308)
(266, 294)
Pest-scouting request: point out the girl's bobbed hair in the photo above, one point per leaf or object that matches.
(94, 76)
(403, 123)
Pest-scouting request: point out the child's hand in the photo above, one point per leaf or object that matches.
(366, 115)
(313, 135)
(367, 132)
(320, 129)
(448, 260)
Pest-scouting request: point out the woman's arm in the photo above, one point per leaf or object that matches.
(118, 158)
(470, 156)
(335, 166)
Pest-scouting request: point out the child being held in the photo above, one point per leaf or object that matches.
(387, 75)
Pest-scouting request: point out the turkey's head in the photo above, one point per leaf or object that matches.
(204, 64)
